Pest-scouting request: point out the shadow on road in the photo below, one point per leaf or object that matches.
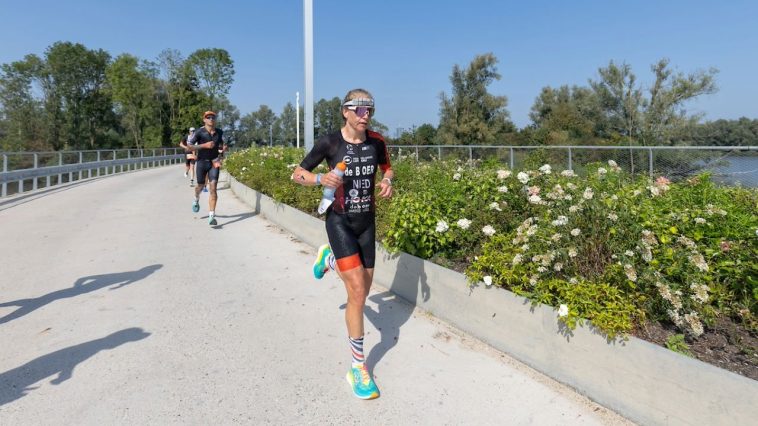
(392, 312)
(236, 218)
(16, 383)
(81, 286)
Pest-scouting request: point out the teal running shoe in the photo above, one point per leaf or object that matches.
(212, 220)
(195, 206)
(320, 266)
(362, 383)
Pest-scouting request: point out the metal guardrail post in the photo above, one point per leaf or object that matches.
(470, 154)
(571, 164)
(416, 153)
(650, 160)
(439, 152)
(114, 167)
(36, 164)
(153, 162)
(98, 160)
(60, 163)
(511, 158)
(5, 169)
(81, 160)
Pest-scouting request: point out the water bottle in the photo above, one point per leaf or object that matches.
(328, 196)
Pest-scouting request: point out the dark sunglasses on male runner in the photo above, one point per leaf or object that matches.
(211, 117)
(360, 111)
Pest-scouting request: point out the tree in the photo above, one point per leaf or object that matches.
(214, 69)
(132, 90)
(567, 115)
(471, 115)
(327, 116)
(287, 122)
(73, 78)
(21, 112)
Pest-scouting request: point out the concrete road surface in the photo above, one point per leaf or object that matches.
(118, 305)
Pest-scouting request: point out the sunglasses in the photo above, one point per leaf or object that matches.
(360, 111)
(211, 117)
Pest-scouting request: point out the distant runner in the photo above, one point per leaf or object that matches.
(208, 142)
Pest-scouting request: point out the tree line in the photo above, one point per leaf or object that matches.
(73, 98)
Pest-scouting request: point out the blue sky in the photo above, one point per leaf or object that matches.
(403, 51)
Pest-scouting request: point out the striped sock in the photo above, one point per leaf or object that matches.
(331, 261)
(356, 346)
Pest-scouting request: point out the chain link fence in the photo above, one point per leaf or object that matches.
(729, 165)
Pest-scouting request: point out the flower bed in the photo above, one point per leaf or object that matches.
(623, 253)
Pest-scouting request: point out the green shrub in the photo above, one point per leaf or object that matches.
(613, 249)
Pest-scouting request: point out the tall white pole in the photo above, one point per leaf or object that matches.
(297, 118)
(308, 29)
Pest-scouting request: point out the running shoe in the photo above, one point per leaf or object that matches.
(362, 383)
(212, 220)
(205, 189)
(185, 174)
(192, 182)
(195, 206)
(320, 266)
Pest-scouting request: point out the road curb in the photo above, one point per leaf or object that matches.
(641, 381)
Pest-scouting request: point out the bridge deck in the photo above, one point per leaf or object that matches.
(119, 305)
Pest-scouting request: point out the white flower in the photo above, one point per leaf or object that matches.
(563, 310)
(574, 209)
(573, 280)
(495, 206)
(558, 266)
(487, 280)
(463, 223)
(601, 171)
(556, 237)
(244, 168)
(636, 192)
(700, 292)
(629, 253)
(575, 232)
(572, 252)
(698, 260)
(613, 216)
(522, 177)
(535, 199)
(546, 169)
(614, 197)
(630, 272)
(654, 190)
(442, 226)
(612, 164)
(562, 220)
(488, 230)
(568, 173)
(542, 269)
(502, 188)
(503, 174)
(533, 279)
(588, 194)
(457, 176)
(700, 221)
(517, 259)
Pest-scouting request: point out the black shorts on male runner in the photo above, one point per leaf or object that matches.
(203, 168)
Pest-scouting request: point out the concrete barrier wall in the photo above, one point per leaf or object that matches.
(641, 381)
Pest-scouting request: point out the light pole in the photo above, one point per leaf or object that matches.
(297, 118)
(270, 135)
(308, 30)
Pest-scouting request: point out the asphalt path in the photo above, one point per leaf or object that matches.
(118, 305)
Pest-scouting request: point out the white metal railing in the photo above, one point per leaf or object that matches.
(734, 165)
(57, 167)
